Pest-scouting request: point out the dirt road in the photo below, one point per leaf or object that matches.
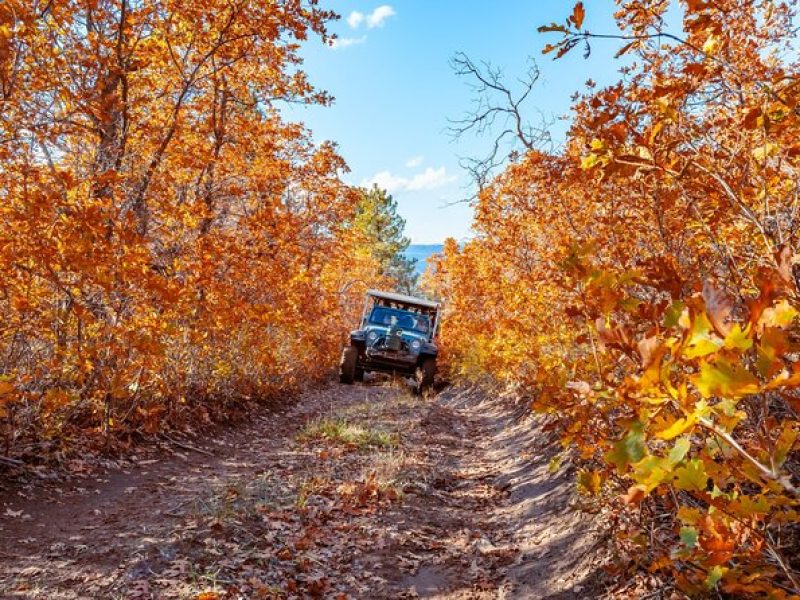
(352, 492)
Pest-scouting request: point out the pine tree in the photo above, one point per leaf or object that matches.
(377, 219)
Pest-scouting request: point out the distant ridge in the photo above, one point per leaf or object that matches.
(421, 252)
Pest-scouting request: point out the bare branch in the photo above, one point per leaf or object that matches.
(497, 111)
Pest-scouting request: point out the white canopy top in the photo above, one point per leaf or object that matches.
(403, 299)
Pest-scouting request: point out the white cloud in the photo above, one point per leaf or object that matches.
(372, 20)
(429, 179)
(414, 161)
(387, 181)
(377, 17)
(338, 43)
(355, 19)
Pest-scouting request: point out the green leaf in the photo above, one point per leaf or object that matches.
(630, 449)
(679, 450)
(689, 537)
(714, 575)
(673, 314)
(652, 471)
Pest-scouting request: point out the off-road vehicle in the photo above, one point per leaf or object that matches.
(396, 335)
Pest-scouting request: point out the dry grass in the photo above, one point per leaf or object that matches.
(347, 432)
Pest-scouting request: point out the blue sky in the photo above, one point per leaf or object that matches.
(395, 91)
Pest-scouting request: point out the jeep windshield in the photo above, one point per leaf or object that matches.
(406, 321)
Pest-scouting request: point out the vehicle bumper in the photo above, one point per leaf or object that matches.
(389, 362)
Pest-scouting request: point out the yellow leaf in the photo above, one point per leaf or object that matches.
(644, 153)
(738, 339)
(765, 151)
(689, 515)
(726, 380)
(780, 315)
(598, 144)
(692, 477)
(711, 44)
(589, 161)
(652, 471)
(655, 131)
(677, 428)
(701, 341)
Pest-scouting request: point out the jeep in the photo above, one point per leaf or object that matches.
(396, 336)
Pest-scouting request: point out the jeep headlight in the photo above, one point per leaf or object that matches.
(372, 336)
(416, 345)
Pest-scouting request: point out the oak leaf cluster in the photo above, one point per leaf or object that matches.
(170, 244)
(641, 285)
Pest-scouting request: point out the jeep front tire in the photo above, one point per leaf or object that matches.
(426, 374)
(348, 372)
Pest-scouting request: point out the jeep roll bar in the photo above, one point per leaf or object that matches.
(403, 302)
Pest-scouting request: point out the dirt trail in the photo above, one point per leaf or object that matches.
(353, 492)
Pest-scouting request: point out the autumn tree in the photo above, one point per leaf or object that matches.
(170, 244)
(644, 279)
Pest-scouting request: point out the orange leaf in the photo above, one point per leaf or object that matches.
(578, 14)
(635, 494)
(718, 306)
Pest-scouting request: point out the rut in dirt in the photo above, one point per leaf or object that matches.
(363, 491)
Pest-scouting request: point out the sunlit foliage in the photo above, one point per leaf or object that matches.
(641, 285)
(169, 244)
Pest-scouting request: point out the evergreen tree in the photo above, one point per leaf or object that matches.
(378, 220)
